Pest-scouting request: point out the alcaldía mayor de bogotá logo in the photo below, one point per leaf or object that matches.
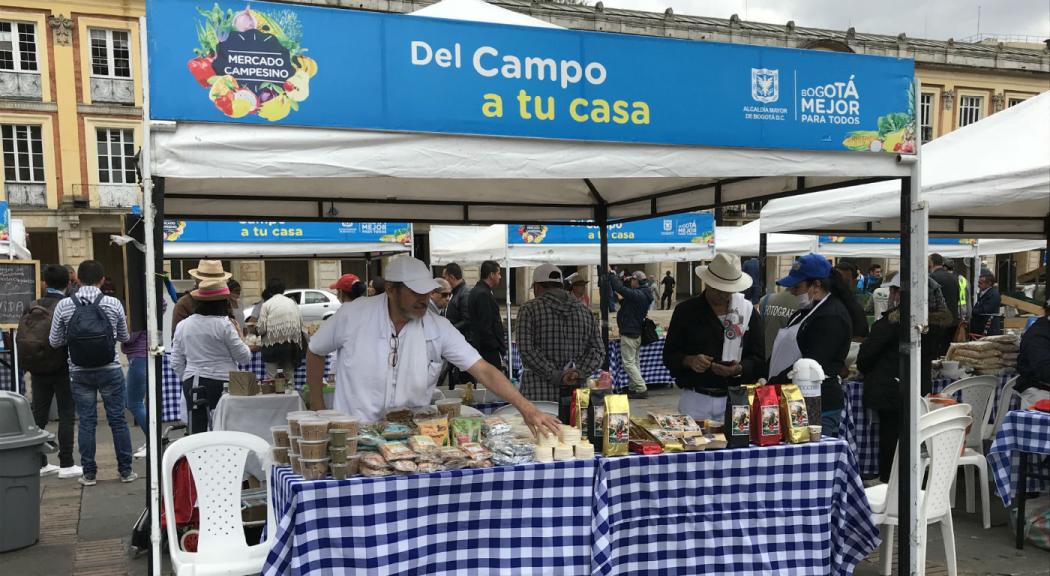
(252, 62)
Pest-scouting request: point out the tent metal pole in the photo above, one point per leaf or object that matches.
(604, 294)
(510, 335)
(153, 334)
(1046, 261)
(762, 247)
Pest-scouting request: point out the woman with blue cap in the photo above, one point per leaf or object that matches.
(821, 330)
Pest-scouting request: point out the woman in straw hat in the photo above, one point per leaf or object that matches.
(205, 270)
(206, 348)
(715, 340)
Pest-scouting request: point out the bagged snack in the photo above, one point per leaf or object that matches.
(406, 466)
(385, 471)
(372, 460)
(694, 443)
(464, 430)
(425, 413)
(399, 416)
(738, 418)
(581, 398)
(665, 421)
(495, 426)
(645, 447)
(436, 428)
(765, 416)
(686, 424)
(793, 414)
(480, 464)
(617, 425)
(392, 451)
(430, 458)
(396, 431)
(425, 467)
(420, 444)
(670, 441)
(475, 451)
(715, 441)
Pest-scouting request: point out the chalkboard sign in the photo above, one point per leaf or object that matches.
(19, 286)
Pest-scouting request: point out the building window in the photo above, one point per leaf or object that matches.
(18, 46)
(926, 115)
(110, 53)
(116, 156)
(1014, 102)
(23, 153)
(970, 109)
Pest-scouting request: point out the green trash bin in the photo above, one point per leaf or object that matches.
(21, 445)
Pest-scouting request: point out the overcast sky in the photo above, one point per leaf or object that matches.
(935, 19)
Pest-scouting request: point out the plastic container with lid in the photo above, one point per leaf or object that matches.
(293, 460)
(338, 455)
(348, 423)
(293, 444)
(353, 464)
(280, 435)
(295, 417)
(338, 471)
(22, 445)
(316, 429)
(313, 449)
(280, 455)
(314, 468)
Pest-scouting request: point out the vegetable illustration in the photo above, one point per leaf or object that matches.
(234, 86)
(896, 132)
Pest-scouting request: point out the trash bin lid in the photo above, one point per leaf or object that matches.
(17, 428)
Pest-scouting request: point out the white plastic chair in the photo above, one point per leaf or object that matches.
(509, 410)
(941, 433)
(978, 392)
(1006, 398)
(217, 460)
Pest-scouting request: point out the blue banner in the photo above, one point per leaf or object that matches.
(313, 66)
(5, 219)
(286, 232)
(698, 228)
(891, 240)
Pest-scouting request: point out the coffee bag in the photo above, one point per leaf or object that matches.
(793, 414)
(765, 416)
(617, 425)
(738, 418)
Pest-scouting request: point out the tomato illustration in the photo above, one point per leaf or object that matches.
(201, 69)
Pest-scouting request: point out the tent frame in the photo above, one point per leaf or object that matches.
(604, 213)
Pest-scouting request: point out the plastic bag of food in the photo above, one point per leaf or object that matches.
(420, 444)
(435, 427)
(465, 430)
(406, 466)
(393, 451)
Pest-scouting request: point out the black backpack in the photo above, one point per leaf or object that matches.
(90, 335)
(35, 353)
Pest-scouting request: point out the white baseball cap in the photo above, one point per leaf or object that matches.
(412, 273)
(575, 278)
(546, 273)
(895, 282)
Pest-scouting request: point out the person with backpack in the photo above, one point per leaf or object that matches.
(48, 370)
(90, 324)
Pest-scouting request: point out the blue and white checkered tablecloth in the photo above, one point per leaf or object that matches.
(860, 426)
(520, 520)
(788, 509)
(1022, 430)
(172, 401)
(650, 359)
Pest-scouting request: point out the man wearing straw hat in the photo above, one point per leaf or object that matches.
(205, 270)
(715, 340)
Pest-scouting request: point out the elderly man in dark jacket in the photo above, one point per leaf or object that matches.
(457, 312)
(631, 318)
(486, 324)
(715, 340)
(985, 316)
(1033, 362)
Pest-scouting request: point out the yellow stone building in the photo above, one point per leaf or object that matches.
(71, 124)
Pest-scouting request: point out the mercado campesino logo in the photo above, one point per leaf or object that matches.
(252, 62)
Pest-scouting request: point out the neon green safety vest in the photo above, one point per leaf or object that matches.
(962, 292)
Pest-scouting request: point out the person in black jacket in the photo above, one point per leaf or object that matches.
(715, 340)
(1033, 361)
(949, 283)
(821, 330)
(879, 361)
(634, 308)
(985, 316)
(487, 334)
(857, 302)
(457, 312)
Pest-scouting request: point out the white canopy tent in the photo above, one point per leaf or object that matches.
(988, 179)
(744, 241)
(474, 244)
(210, 170)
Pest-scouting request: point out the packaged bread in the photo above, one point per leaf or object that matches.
(384, 471)
(425, 467)
(475, 451)
(436, 428)
(393, 451)
(421, 443)
(450, 453)
(406, 466)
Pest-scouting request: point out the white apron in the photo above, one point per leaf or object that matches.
(785, 347)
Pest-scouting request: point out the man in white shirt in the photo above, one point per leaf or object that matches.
(391, 348)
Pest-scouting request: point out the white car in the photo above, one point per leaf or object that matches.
(314, 305)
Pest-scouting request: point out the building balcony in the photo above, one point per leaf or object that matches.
(109, 195)
(26, 195)
(20, 85)
(113, 90)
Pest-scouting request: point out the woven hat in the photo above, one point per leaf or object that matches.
(211, 290)
(724, 274)
(210, 270)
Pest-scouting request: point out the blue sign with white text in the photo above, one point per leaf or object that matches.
(268, 63)
(695, 228)
(290, 232)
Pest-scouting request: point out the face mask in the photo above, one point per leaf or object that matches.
(804, 300)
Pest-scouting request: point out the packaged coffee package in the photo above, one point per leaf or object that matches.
(765, 416)
(793, 414)
(581, 399)
(617, 425)
(738, 418)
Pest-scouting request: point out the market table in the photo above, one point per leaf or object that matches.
(526, 519)
(786, 509)
(860, 426)
(1023, 437)
(171, 388)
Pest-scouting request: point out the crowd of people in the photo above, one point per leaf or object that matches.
(399, 337)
